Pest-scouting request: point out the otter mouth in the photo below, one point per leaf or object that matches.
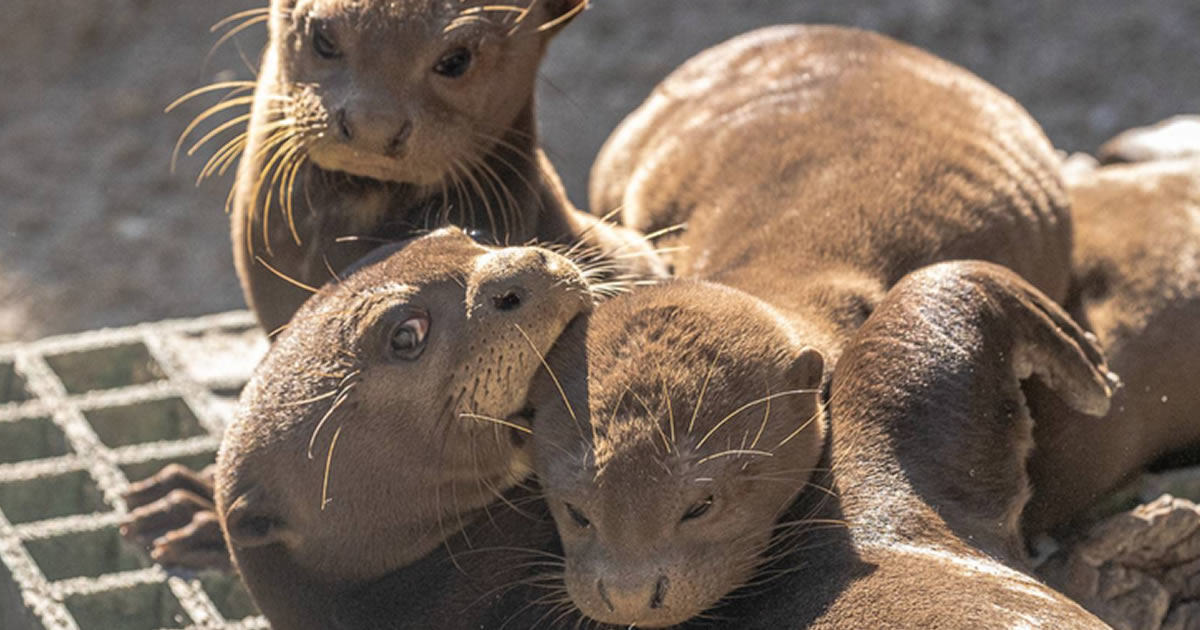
(374, 166)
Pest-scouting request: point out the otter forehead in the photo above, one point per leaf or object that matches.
(443, 15)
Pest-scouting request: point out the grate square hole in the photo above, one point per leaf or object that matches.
(14, 614)
(142, 470)
(153, 421)
(33, 438)
(227, 593)
(142, 607)
(12, 386)
(106, 368)
(86, 554)
(50, 497)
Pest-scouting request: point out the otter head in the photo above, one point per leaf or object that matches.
(410, 90)
(686, 422)
(377, 421)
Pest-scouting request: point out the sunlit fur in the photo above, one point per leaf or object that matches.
(354, 138)
(679, 418)
(344, 461)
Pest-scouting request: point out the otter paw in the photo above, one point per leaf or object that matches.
(198, 545)
(171, 477)
(1139, 570)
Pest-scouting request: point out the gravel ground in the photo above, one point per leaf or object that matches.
(95, 230)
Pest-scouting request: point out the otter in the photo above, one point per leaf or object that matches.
(373, 120)
(1137, 287)
(910, 521)
(376, 425)
(928, 439)
(814, 167)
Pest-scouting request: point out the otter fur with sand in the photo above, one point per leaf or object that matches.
(373, 120)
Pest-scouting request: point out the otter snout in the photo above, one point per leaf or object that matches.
(512, 282)
(645, 597)
(369, 132)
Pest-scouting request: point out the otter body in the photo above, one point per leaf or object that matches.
(375, 427)
(374, 120)
(928, 442)
(814, 167)
(1137, 287)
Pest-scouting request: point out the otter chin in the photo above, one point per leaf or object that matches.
(667, 483)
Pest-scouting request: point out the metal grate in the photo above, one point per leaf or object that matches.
(81, 417)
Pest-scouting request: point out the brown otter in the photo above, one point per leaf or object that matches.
(371, 120)
(928, 439)
(910, 523)
(814, 167)
(375, 428)
(1137, 287)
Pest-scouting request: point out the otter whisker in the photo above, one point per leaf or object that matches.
(233, 32)
(737, 452)
(473, 181)
(282, 276)
(503, 423)
(288, 186)
(241, 85)
(764, 399)
(509, 203)
(553, 376)
(484, 197)
(565, 17)
(678, 227)
(218, 130)
(342, 396)
(328, 463)
(241, 101)
(237, 16)
(703, 390)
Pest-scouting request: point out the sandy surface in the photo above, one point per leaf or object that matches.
(95, 230)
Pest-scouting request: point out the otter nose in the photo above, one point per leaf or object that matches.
(632, 600)
(513, 280)
(374, 133)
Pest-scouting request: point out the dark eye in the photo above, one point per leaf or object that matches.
(454, 64)
(407, 339)
(323, 44)
(577, 516)
(698, 510)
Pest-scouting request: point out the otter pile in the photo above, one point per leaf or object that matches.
(901, 338)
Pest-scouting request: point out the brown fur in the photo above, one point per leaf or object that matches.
(815, 167)
(928, 437)
(346, 460)
(1137, 287)
(376, 143)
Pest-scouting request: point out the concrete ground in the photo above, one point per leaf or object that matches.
(95, 230)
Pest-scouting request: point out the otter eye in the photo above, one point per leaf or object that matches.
(407, 339)
(698, 510)
(454, 64)
(323, 44)
(577, 516)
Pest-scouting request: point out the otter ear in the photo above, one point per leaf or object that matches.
(807, 369)
(249, 524)
(561, 12)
